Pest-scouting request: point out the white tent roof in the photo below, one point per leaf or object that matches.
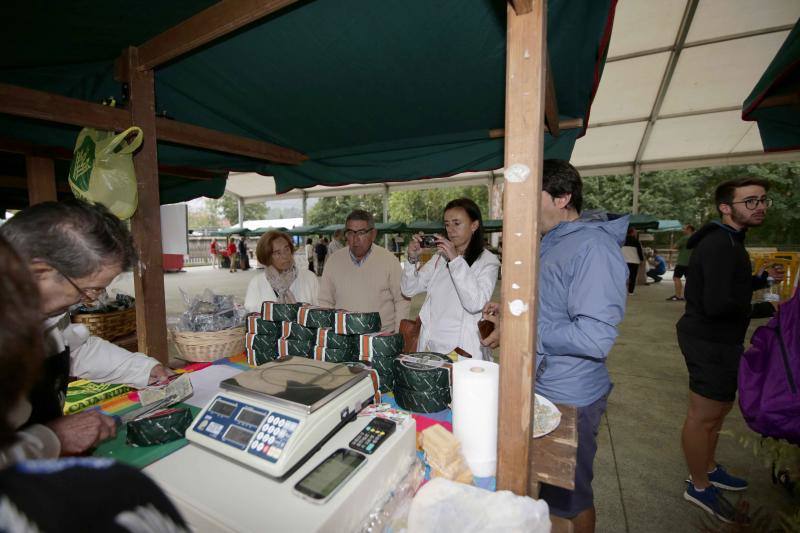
(670, 96)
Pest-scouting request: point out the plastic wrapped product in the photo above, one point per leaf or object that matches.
(334, 355)
(260, 349)
(295, 347)
(160, 428)
(422, 371)
(379, 344)
(258, 326)
(348, 323)
(326, 338)
(312, 316)
(293, 330)
(279, 312)
(425, 401)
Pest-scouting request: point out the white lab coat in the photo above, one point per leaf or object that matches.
(305, 289)
(456, 294)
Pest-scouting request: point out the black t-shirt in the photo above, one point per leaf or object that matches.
(83, 494)
(321, 250)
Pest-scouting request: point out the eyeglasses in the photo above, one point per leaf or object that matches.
(89, 294)
(357, 233)
(752, 203)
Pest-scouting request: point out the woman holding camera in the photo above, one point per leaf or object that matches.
(459, 280)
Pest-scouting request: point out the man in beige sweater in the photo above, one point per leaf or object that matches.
(363, 277)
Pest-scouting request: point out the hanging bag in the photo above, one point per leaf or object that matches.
(102, 169)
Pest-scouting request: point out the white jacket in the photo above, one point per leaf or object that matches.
(305, 289)
(91, 358)
(474, 286)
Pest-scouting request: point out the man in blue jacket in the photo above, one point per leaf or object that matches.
(582, 295)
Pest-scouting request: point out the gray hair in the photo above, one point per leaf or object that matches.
(74, 237)
(360, 214)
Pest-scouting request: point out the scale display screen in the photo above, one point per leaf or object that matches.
(248, 416)
(238, 435)
(222, 408)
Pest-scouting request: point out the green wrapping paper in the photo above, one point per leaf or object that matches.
(260, 349)
(258, 326)
(385, 369)
(379, 344)
(160, 428)
(312, 316)
(333, 355)
(326, 338)
(293, 330)
(348, 323)
(430, 401)
(295, 347)
(376, 379)
(279, 312)
(422, 371)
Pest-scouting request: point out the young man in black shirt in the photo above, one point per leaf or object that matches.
(719, 290)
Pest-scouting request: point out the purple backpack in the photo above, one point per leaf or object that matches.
(769, 376)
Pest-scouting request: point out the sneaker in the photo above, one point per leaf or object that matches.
(720, 478)
(711, 501)
(673, 298)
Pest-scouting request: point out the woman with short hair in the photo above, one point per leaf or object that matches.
(281, 281)
(459, 281)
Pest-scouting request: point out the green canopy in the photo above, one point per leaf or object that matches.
(665, 226)
(234, 230)
(369, 91)
(391, 227)
(643, 222)
(493, 225)
(304, 230)
(328, 230)
(425, 226)
(262, 231)
(778, 125)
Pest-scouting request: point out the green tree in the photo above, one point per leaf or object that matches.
(228, 208)
(334, 209)
(203, 217)
(428, 204)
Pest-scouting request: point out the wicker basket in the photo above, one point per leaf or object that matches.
(207, 346)
(108, 326)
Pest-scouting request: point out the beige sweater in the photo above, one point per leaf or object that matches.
(374, 286)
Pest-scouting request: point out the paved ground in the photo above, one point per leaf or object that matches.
(639, 470)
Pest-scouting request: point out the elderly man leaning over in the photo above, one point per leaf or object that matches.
(363, 277)
(582, 292)
(73, 250)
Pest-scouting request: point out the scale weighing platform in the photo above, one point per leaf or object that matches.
(263, 431)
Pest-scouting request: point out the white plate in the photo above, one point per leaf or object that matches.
(546, 416)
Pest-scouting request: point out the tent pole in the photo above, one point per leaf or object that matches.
(240, 210)
(148, 275)
(41, 179)
(524, 147)
(385, 214)
(305, 207)
(637, 170)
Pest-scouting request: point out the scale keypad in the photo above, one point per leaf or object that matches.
(272, 436)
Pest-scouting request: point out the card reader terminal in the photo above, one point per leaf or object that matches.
(373, 435)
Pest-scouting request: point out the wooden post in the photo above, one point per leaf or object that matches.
(524, 134)
(41, 179)
(151, 316)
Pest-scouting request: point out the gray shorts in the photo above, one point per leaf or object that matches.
(570, 503)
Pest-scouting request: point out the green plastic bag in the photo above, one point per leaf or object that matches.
(102, 169)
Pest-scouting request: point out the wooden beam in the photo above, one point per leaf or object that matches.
(212, 23)
(199, 137)
(551, 103)
(17, 182)
(524, 146)
(41, 180)
(522, 7)
(30, 103)
(566, 124)
(148, 275)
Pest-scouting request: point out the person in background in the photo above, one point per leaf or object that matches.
(309, 249)
(459, 280)
(74, 250)
(320, 253)
(632, 252)
(281, 281)
(367, 278)
(659, 268)
(711, 332)
(57, 495)
(682, 263)
(232, 254)
(581, 304)
(244, 258)
(214, 254)
(336, 242)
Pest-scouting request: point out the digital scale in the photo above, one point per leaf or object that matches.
(271, 427)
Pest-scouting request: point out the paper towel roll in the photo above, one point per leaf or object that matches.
(476, 386)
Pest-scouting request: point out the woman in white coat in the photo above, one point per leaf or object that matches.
(459, 281)
(281, 281)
